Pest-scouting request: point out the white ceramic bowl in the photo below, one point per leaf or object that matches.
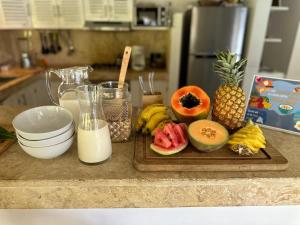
(42, 122)
(47, 142)
(49, 152)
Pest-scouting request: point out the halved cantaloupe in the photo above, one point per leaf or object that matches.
(190, 103)
(207, 135)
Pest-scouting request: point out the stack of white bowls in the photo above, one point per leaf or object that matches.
(45, 132)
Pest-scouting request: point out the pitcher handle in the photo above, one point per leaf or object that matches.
(48, 85)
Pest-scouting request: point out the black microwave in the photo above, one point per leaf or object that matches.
(151, 16)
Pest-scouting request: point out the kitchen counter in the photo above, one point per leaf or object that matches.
(113, 74)
(64, 182)
(15, 78)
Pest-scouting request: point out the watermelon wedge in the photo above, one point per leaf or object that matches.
(171, 140)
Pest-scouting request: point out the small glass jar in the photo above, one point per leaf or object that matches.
(117, 107)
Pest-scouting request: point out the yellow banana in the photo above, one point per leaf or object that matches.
(153, 110)
(140, 122)
(154, 121)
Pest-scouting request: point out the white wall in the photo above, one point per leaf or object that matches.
(175, 53)
(282, 25)
(294, 65)
(255, 35)
(255, 215)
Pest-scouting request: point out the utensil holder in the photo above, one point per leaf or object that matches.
(148, 99)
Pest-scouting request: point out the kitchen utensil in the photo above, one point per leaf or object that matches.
(48, 152)
(46, 43)
(42, 122)
(49, 141)
(125, 61)
(42, 43)
(117, 108)
(93, 138)
(141, 81)
(71, 48)
(25, 60)
(52, 43)
(138, 61)
(57, 41)
(71, 78)
(151, 82)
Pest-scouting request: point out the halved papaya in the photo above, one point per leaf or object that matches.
(190, 103)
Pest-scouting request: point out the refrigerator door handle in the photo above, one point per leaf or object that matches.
(203, 55)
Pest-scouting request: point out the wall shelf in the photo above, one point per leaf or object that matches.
(149, 28)
(273, 40)
(279, 8)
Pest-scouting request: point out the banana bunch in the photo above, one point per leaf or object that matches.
(248, 140)
(151, 117)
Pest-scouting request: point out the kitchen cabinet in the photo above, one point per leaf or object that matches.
(34, 94)
(108, 10)
(70, 14)
(136, 92)
(14, 14)
(61, 14)
(121, 10)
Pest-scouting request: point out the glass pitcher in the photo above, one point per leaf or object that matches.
(93, 137)
(71, 78)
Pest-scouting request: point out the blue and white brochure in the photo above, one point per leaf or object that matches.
(275, 103)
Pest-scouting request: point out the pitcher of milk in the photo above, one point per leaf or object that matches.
(93, 136)
(71, 78)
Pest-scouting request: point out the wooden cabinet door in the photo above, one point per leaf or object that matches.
(70, 13)
(96, 10)
(14, 14)
(44, 14)
(120, 10)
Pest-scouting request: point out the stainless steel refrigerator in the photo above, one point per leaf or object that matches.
(206, 31)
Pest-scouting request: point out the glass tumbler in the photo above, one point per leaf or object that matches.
(117, 107)
(93, 137)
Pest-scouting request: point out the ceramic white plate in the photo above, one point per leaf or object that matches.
(49, 152)
(42, 122)
(49, 141)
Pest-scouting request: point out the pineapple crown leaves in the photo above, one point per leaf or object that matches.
(229, 69)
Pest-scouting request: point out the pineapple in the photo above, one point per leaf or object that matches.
(229, 102)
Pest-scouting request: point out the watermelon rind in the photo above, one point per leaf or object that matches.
(206, 148)
(164, 151)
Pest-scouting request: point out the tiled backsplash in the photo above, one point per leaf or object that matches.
(91, 46)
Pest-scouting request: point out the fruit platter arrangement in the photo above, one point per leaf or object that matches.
(193, 136)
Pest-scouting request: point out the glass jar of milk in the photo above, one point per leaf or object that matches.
(93, 137)
(71, 78)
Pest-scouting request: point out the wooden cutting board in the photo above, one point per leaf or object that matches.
(191, 159)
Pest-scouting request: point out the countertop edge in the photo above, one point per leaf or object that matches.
(134, 193)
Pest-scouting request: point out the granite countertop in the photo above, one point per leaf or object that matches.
(16, 78)
(13, 79)
(17, 75)
(64, 182)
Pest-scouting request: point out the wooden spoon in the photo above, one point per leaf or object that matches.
(123, 71)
